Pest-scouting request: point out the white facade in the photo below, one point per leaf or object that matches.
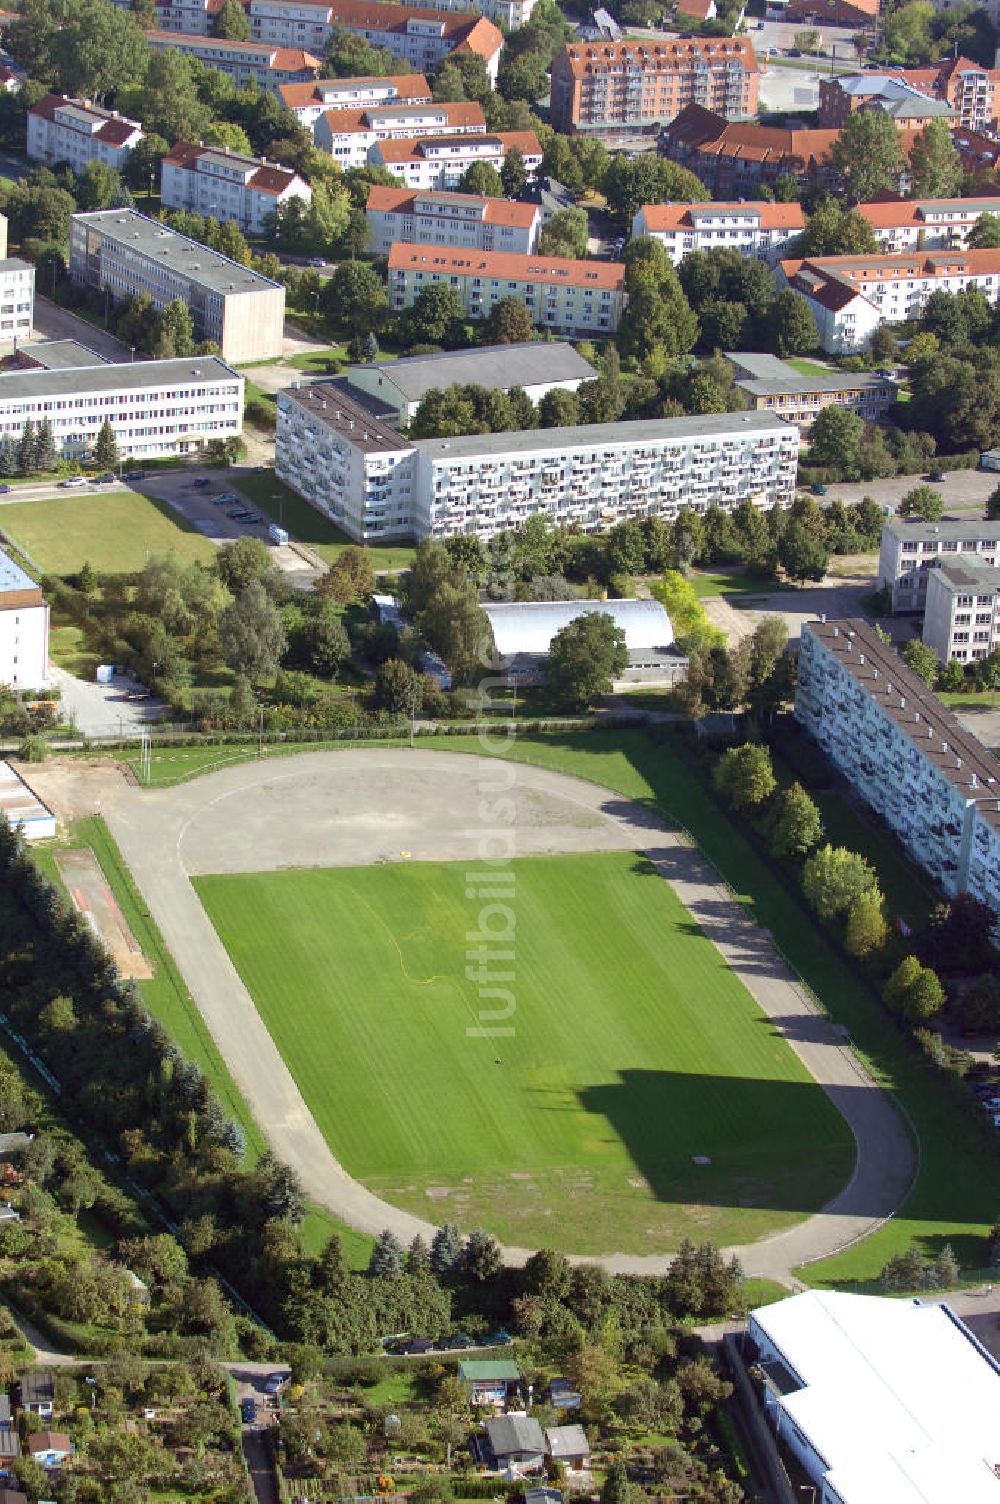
(962, 612)
(155, 407)
(77, 132)
(17, 300)
(357, 469)
(910, 549)
(449, 219)
(882, 1401)
(440, 161)
(926, 224)
(24, 628)
(309, 101)
(246, 62)
(228, 186)
(349, 135)
(762, 231)
(510, 14)
(904, 753)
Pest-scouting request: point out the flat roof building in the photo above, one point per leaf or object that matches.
(24, 627)
(537, 367)
(523, 632)
(881, 1401)
(772, 385)
(962, 609)
(127, 253)
(904, 753)
(434, 217)
(910, 548)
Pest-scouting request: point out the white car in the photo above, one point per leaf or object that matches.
(73, 480)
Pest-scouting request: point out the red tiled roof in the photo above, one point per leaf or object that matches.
(411, 88)
(526, 142)
(698, 9)
(267, 177)
(662, 217)
(834, 280)
(896, 213)
(372, 15)
(483, 38)
(496, 211)
(585, 59)
(116, 128)
(291, 59)
(462, 112)
(511, 266)
(714, 135)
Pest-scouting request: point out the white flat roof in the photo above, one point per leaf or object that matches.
(529, 626)
(23, 807)
(899, 1399)
(12, 576)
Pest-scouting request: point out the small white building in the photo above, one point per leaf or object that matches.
(759, 230)
(24, 628)
(308, 101)
(434, 217)
(440, 161)
(911, 548)
(962, 610)
(227, 185)
(17, 300)
(399, 386)
(880, 1401)
(25, 811)
(349, 135)
(78, 132)
(523, 632)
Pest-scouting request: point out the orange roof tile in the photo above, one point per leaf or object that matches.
(585, 59)
(526, 142)
(496, 211)
(512, 266)
(661, 217)
(462, 112)
(410, 87)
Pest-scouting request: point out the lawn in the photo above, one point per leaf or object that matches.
(730, 582)
(808, 367)
(309, 526)
(970, 699)
(633, 1050)
(116, 532)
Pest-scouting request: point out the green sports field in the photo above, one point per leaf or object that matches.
(634, 1049)
(116, 532)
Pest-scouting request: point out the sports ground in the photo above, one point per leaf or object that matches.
(639, 1097)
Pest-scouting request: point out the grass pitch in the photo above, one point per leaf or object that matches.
(634, 1050)
(115, 532)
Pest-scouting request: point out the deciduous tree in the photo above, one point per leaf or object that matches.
(585, 658)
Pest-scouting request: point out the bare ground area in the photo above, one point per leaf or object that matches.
(86, 884)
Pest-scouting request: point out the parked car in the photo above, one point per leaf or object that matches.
(316, 261)
(248, 1411)
(106, 479)
(275, 1382)
(819, 490)
(72, 481)
(137, 475)
(5, 490)
(937, 476)
(201, 481)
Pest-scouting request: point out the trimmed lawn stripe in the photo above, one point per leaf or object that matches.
(115, 532)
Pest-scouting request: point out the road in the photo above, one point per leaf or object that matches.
(375, 805)
(53, 322)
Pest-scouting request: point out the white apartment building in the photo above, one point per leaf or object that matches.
(850, 296)
(449, 219)
(127, 253)
(560, 293)
(17, 300)
(904, 753)
(422, 37)
(394, 389)
(962, 610)
(439, 161)
(247, 62)
(228, 186)
(24, 628)
(911, 548)
(156, 407)
(936, 224)
(881, 1401)
(763, 231)
(308, 101)
(356, 469)
(349, 135)
(77, 132)
(510, 14)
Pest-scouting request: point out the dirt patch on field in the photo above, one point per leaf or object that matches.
(89, 890)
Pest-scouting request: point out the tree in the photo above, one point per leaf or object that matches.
(350, 577)
(350, 56)
(831, 230)
(446, 1249)
(867, 929)
(106, 448)
(922, 660)
(797, 825)
(508, 323)
(97, 49)
(657, 315)
(913, 990)
(482, 179)
(802, 555)
(174, 332)
(386, 1260)
(242, 561)
(434, 316)
(481, 1258)
(326, 640)
(834, 879)
(945, 1269)
(585, 658)
(231, 22)
(456, 626)
(547, 1274)
(561, 409)
(992, 504)
(27, 449)
(935, 166)
(985, 233)
(616, 1488)
(251, 634)
(398, 688)
(46, 456)
(354, 298)
(922, 501)
(868, 155)
(565, 234)
(978, 1008)
(791, 325)
(744, 777)
(835, 440)
(647, 179)
(513, 174)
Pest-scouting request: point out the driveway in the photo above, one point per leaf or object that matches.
(103, 709)
(53, 322)
(962, 491)
(348, 807)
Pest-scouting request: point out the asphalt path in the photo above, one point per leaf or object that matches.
(376, 805)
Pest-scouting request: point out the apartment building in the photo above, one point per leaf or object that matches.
(421, 37)
(394, 389)
(734, 159)
(246, 62)
(357, 470)
(510, 14)
(308, 101)
(228, 186)
(127, 253)
(908, 107)
(850, 296)
(962, 609)
(155, 407)
(935, 224)
(24, 628)
(613, 85)
(910, 549)
(17, 300)
(561, 294)
(861, 14)
(77, 132)
(440, 161)
(449, 219)
(904, 753)
(349, 135)
(763, 231)
(972, 91)
(772, 385)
